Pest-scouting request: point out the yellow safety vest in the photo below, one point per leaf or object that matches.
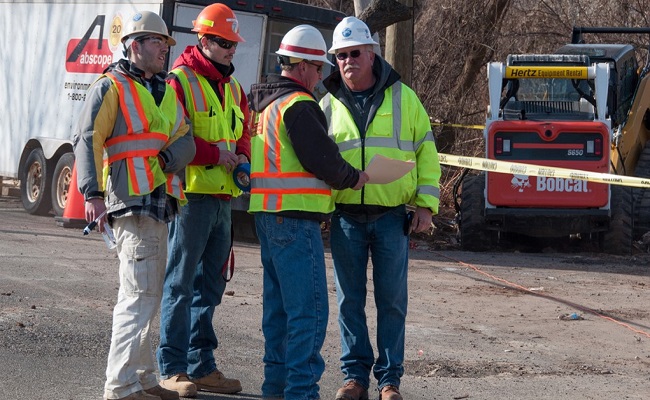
(278, 180)
(400, 129)
(212, 122)
(148, 128)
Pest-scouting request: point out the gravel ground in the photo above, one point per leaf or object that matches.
(501, 325)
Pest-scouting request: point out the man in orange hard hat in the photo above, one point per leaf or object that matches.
(200, 241)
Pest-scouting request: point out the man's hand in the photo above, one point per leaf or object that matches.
(422, 220)
(241, 159)
(93, 209)
(363, 178)
(228, 159)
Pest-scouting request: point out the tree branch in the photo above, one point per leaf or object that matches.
(383, 13)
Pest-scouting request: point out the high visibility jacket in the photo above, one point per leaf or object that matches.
(217, 123)
(278, 180)
(148, 128)
(400, 129)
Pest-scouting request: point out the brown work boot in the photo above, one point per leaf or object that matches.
(352, 390)
(141, 395)
(217, 383)
(180, 384)
(163, 393)
(390, 392)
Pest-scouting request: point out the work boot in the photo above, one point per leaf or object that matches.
(163, 393)
(141, 395)
(390, 392)
(217, 383)
(352, 390)
(181, 384)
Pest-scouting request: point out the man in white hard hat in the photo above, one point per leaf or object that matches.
(371, 112)
(135, 117)
(294, 167)
(200, 240)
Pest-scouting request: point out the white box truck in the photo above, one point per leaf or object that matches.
(53, 50)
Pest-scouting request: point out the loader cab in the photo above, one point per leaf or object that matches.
(546, 98)
(623, 77)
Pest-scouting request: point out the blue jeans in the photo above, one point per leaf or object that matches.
(198, 246)
(351, 243)
(295, 307)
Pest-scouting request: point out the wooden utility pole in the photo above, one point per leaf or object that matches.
(399, 46)
(387, 14)
(359, 7)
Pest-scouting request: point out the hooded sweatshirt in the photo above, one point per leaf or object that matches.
(217, 75)
(307, 130)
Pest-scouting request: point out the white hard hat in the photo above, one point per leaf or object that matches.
(143, 23)
(304, 42)
(350, 32)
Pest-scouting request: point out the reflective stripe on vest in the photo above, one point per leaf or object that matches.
(137, 146)
(398, 131)
(221, 127)
(274, 182)
(200, 100)
(393, 142)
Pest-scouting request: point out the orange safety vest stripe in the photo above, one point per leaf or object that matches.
(137, 136)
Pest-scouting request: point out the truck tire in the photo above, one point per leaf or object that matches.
(61, 183)
(641, 196)
(35, 184)
(618, 239)
(474, 235)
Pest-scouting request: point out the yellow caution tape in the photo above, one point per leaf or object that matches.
(481, 127)
(506, 167)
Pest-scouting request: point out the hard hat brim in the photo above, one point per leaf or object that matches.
(170, 40)
(351, 43)
(302, 56)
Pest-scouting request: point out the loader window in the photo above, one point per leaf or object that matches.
(549, 99)
(549, 90)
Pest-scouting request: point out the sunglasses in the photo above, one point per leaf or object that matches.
(223, 43)
(344, 56)
(319, 67)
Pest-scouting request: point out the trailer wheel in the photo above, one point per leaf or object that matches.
(474, 236)
(35, 184)
(618, 239)
(641, 196)
(61, 183)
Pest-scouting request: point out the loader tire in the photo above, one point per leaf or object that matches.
(641, 196)
(473, 232)
(618, 239)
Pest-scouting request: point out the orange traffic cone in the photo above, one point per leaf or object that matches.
(74, 214)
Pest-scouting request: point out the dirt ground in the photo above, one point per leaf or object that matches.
(497, 325)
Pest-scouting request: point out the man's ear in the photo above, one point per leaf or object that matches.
(135, 47)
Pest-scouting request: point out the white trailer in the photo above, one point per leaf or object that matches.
(53, 50)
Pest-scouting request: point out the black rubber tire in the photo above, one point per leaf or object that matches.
(61, 183)
(641, 196)
(618, 239)
(35, 184)
(472, 230)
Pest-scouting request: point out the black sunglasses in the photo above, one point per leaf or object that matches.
(343, 56)
(223, 43)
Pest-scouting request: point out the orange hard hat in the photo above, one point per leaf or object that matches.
(219, 20)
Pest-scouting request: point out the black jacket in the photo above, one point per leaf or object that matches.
(307, 130)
